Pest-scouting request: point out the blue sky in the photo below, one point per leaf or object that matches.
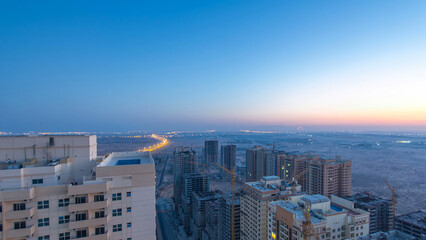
(166, 65)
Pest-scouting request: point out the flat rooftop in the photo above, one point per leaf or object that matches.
(367, 200)
(415, 218)
(262, 187)
(127, 158)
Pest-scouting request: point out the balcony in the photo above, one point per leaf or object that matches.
(88, 223)
(27, 213)
(16, 194)
(87, 206)
(95, 237)
(21, 233)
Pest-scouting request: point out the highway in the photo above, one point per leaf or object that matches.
(163, 143)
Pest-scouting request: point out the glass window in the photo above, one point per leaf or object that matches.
(64, 236)
(81, 233)
(116, 212)
(129, 194)
(19, 225)
(129, 224)
(129, 209)
(80, 216)
(64, 202)
(43, 204)
(99, 198)
(38, 181)
(45, 237)
(80, 200)
(42, 222)
(18, 206)
(116, 196)
(99, 214)
(64, 219)
(99, 230)
(117, 228)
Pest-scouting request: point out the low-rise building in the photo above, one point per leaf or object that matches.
(413, 224)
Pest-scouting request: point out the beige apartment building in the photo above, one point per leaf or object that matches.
(60, 189)
(254, 205)
(335, 219)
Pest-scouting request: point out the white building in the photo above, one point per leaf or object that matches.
(335, 219)
(53, 192)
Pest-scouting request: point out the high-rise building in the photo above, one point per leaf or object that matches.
(262, 162)
(225, 227)
(228, 156)
(254, 205)
(192, 183)
(211, 230)
(292, 164)
(198, 219)
(413, 224)
(183, 163)
(211, 151)
(328, 177)
(381, 218)
(335, 219)
(55, 187)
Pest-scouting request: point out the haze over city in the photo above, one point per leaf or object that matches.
(196, 65)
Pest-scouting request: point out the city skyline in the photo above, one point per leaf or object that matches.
(104, 66)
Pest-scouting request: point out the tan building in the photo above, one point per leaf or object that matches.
(335, 219)
(68, 193)
(328, 177)
(254, 205)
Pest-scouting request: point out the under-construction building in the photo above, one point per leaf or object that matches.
(412, 223)
(198, 203)
(225, 227)
(381, 217)
(183, 163)
(262, 162)
(192, 183)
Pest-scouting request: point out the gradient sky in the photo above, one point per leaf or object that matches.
(166, 65)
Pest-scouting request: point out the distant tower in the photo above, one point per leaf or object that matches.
(228, 156)
(211, 150)
(183, 160)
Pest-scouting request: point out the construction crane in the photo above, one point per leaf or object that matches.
(231, 172)
(308, 228)
(294, 181)
(393, 198)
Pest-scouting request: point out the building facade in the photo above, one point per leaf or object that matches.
(262, 162)
(335, 219)
(183, 163)
(413, 224)
(46, 196)
(211, 151)
(228, 156)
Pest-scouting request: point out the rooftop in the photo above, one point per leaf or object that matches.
(367, 200)
(127, 158)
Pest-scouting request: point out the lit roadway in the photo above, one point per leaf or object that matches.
(163, 143)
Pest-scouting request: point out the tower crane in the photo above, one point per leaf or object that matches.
(231, 172)
(308, 228)
(393, 198)
(294, 181)
(204, 169)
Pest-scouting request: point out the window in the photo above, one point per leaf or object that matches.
(42, 222)
(43, 204)
(81, 216)
(117, 228)
(99, 230)
(64, 202)
(45, 237)
(19, 225)
(51, 141)
(64, 236)
(129, 194)
(18, 206)
(129, 238)
(1, 227)
(99, 214)
(80, 200)
(129, 224)
(81, 233)
(129, 209)
(116, 196)
(64, 219)
(116, 212)
(38, 181)
(99, 198)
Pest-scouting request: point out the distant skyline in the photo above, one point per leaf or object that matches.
(181, 65)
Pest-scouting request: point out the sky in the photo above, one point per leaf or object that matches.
(192, 65)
